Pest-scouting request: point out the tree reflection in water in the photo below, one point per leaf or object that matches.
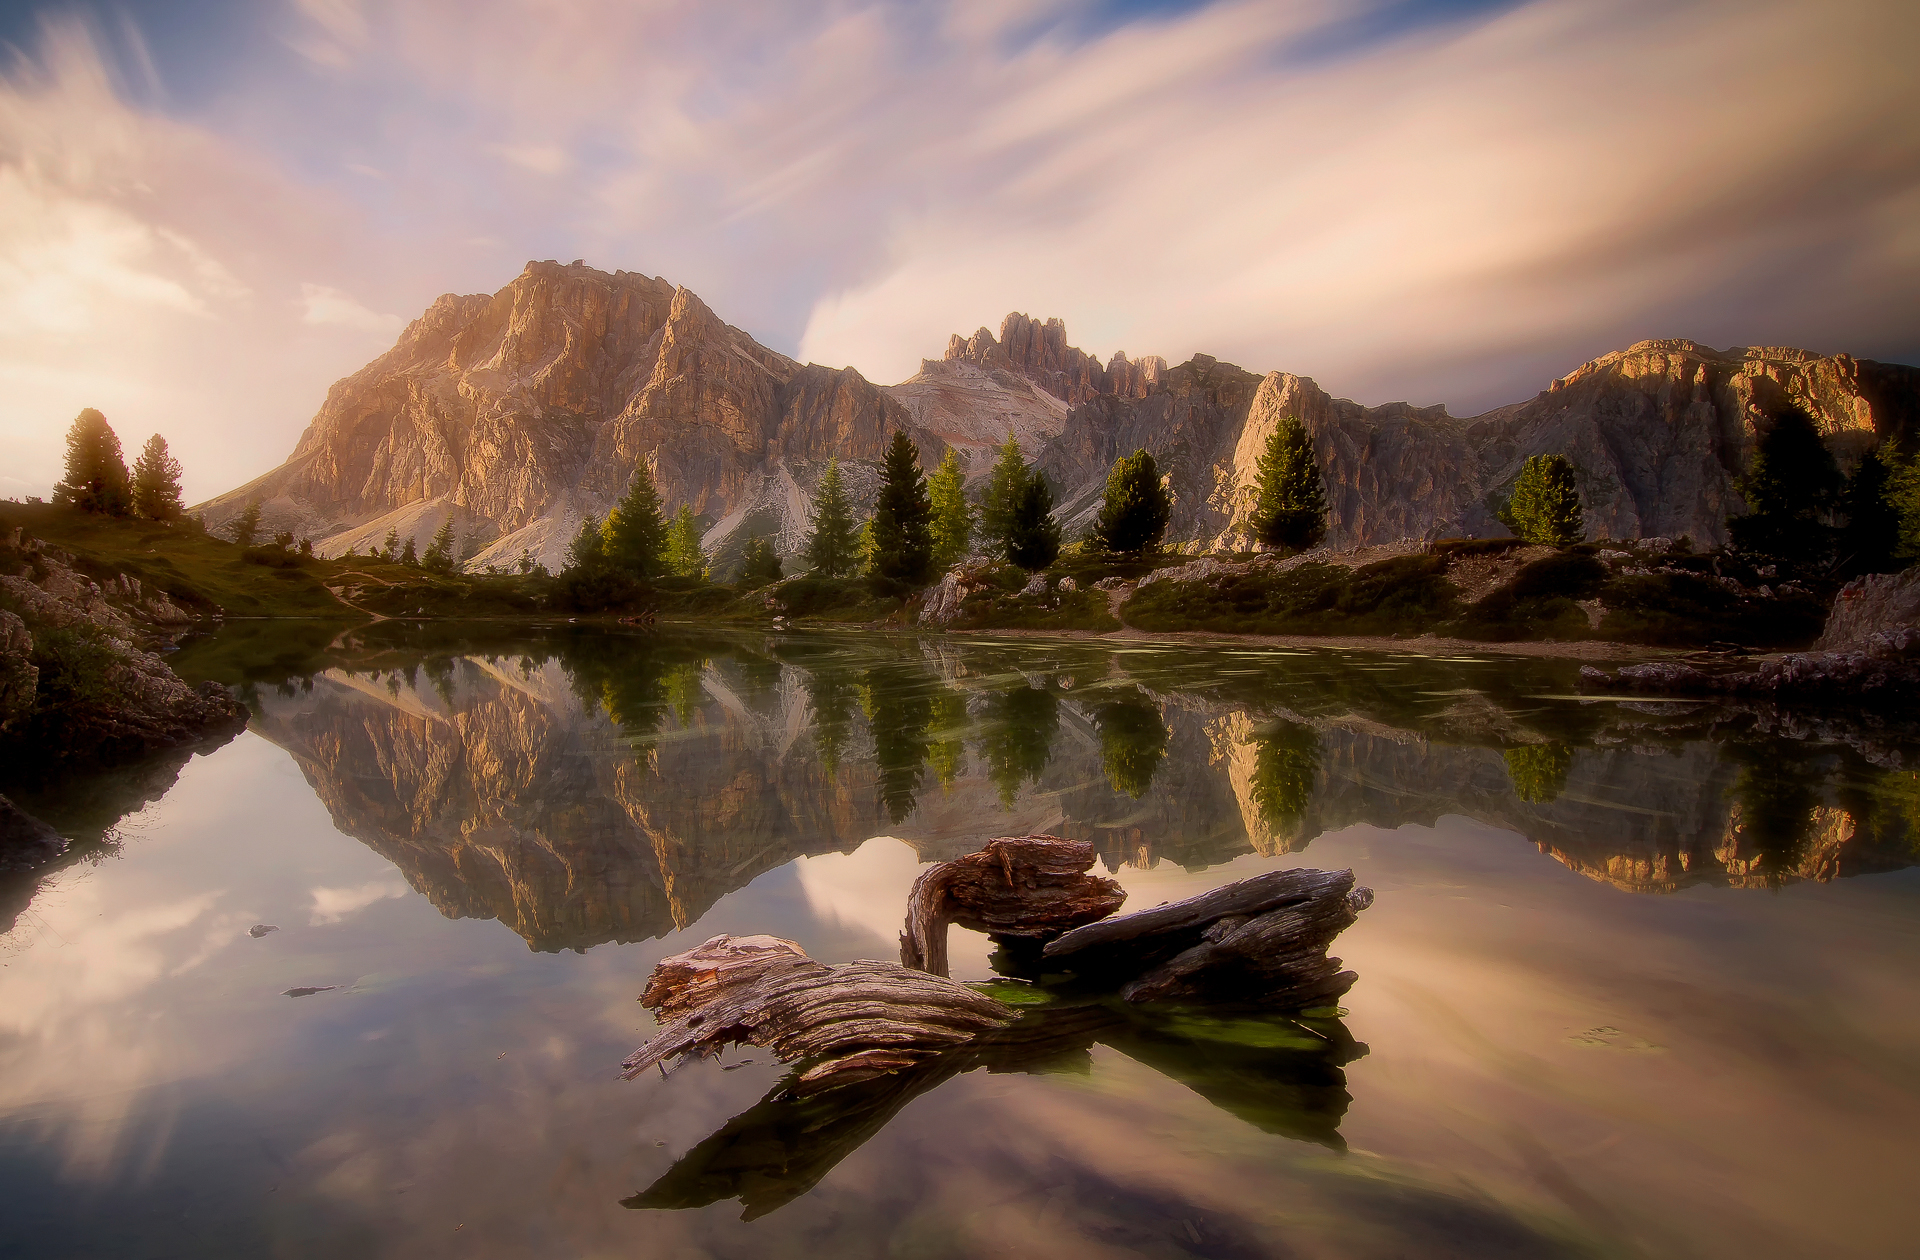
(1133, 742)
(1284, 768)
(899, 712)
(1020, 727)
(1539, 771)
(1775, 797)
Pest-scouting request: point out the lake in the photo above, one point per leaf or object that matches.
(1640, 978)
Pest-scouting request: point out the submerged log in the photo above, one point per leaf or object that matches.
(1261, 938)
(856, 1020)
(1017, 887)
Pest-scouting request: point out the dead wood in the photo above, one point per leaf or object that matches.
(854, 1021)
(1261, 938)
(1016, 887)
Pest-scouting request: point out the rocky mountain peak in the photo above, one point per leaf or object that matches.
(1039, 352)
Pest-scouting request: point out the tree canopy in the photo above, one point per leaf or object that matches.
(761, 564)
(684, 556)
(246, 527)
(156, 482)
(1003, 491)
(903, 517)
(1291, 508)
(1033, 536)
(952, 514)
(96, 476)
(1792, 487)
(830, 543)
(1545, 507)
(1134, 513)
(634, 538)
(439, 557)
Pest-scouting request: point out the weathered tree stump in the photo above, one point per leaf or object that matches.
(1015, 888)
(858, 1020)
(1263, 938)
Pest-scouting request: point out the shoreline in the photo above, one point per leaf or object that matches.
(1424, 645)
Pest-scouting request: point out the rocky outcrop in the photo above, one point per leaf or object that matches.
(87, 690)
(1883, 668)
(520, 413)
(1039, 352)
(1877, 603)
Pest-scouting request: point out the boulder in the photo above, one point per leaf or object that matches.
(1876, 603)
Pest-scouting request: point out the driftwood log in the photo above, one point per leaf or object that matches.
(1016, 888)
(1263, 938)
(851, 1021)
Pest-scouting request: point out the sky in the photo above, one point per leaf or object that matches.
(210, 210)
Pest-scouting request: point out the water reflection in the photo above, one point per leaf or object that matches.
(590, 787)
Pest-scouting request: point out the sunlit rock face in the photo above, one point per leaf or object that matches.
(519, 414)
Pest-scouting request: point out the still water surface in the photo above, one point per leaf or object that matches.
(1640, 979)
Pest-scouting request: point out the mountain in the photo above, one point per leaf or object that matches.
(520, 413)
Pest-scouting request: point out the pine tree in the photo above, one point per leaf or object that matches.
(684, 558)
(1791, 487)
(903, 517)
(407, 555)
(952, 514)
(1545, 507)
(1903, 496)
(1871, 535)
(1004, 486)
(1291, 510)
(156, 482)
(525, 563)
(1134, 513)
(390, 549)
(96, 479)
(1033, 536)
(587, 554)
(439, 556)
(636, 533)
(246, 526)
(830, 545)
(761, 564)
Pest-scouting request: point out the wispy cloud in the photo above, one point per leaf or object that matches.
(331, 905)
(328, 306)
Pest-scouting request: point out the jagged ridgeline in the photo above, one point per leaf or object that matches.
(518, 414)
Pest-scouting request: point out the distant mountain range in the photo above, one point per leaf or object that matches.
(521, 412)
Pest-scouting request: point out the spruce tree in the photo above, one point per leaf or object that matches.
(1903, 496)
(246, 526)
(156, 482)
(761, 564)
(1033, 536)
(1134, 513)
(684, 558)
(439, 556)
(407, 555)
(952, 514)
(1545, 507)
(635, 534)
(903, 517)
(1004, 486)
(1291, 511)
(1792, 486)
(1871, 535)
(830, 545)
(96, 479)
(586, 555)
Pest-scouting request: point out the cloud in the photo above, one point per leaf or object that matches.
(331, 905)
(538, 158)
(327, 306)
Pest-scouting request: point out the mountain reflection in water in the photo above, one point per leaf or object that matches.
(584, 788)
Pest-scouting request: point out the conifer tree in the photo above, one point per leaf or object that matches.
(1791, 487)
(156, 482)
(684, 558)
(635, 534)
(1903, 496)
(96, 479)
(952, 514)
(1291, 510)
(1545, 507)
(830, 545)
(389, 548)
(761, 564)
(903, 517)
(1004, 486)
(246, 526)
(587, 554)
(1033, 536)
(407, 555)
(1135, 510)
(439, 554)
(1871, 535)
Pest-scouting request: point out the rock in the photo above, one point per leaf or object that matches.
(942, 604)
(259, 930)
(1068, 584)
(1883, 668)
(1871, 604)
(1036, 586)
(18, 675)
(25, 841)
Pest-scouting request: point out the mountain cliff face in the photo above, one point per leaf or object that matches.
(520, 413)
